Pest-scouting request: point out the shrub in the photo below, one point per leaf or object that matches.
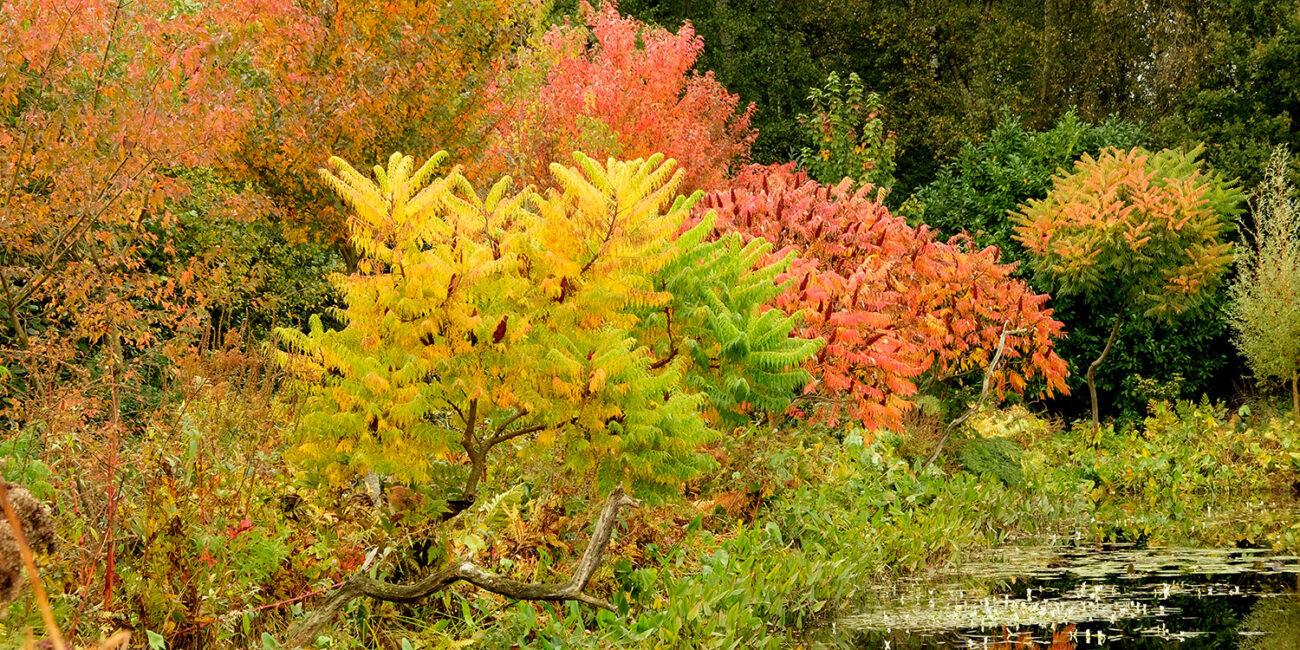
(1135, 229)
(1265, 308)
(895, 305)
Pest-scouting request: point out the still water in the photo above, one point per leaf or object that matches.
(1113, 596)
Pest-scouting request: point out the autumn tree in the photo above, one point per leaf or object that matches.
(574, 325)
(103, 107)
(614, 86)
(1136, 231)
(358, 80)
(894, 304)
(1265, 307)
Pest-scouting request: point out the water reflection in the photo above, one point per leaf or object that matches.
(1115, 597)
(1274, 624)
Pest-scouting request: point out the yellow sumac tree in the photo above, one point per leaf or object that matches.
(575, 325)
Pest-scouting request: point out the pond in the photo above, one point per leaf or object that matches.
(1063, 596)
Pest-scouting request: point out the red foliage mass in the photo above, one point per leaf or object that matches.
(615, 87)
(892, 301)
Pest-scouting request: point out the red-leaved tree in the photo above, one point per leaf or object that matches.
(615, 87)
(894, 303)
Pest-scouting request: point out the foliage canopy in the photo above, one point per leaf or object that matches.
(614, 87)
(476, 319)
(892, 302)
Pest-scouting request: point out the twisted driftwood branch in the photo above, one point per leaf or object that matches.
(464, 570)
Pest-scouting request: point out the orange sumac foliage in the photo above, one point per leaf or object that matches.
(1142, 229)
(1136, 230)
(359, 79)
(615, 87)
(892, 302)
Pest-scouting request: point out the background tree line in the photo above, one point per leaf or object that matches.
(974, 95)
(1218, 72)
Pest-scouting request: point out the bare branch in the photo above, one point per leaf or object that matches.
(509, 421)
(465, 571)
(502, 437)
(984, 393)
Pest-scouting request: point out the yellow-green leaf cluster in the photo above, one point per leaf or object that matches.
(476, 320)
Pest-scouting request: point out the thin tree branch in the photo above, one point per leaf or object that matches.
(984, 393)
(509, 421)
(502, 437)
(1091, 375)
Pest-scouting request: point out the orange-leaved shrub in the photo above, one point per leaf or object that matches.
(895, 304)
(614, 87)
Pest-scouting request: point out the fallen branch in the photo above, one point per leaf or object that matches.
(465, 571)
(984, 393)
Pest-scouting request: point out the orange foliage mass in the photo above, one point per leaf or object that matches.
(893, 302)
(101, 101)
(359, 80)
(615, 87)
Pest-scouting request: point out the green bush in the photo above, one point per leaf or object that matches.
(975, 192)
(998, 457)
(988, 179)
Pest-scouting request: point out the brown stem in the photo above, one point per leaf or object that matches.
(12, 310)
(1092, 367)
(509, 421)
(465, 571)
(1295, 392)
(29, 562)
(672, 345)
(477, 457)
(477, 449)
(110, 568)
(502, 437)
(103, 60)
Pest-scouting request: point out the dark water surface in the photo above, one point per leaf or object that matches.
(1116, 596)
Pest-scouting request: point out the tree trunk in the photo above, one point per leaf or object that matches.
(1295, 392)
(1048, 51)
(984, 393)
(1092, 367)
(464, 570)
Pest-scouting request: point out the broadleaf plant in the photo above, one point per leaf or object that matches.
(895, 305)
(1137, 230)
(553, 322)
